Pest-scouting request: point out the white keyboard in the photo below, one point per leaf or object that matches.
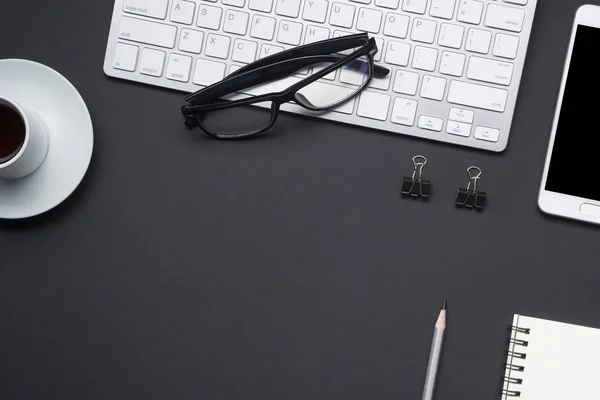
(456, 64)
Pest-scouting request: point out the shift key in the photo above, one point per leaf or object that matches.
(148, 32)
(469, 94)
(147, 8)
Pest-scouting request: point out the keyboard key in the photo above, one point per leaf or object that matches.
(451, 36)
(392, 4)
(487, 134)
(433, 87)
(452, 63)
(346, 108)
(235, 3)
(478, 41)
(261, 5)
(470, 11)
(460, 115)
(183, 12)
(268, 50)
(492, 71)
(289, 32)
(217, 46)
(373, 105)
(507, 18)
(506, 46)
(209, 17)
(152, 62)
(147, 8)
(425, 58)
(423, 30)
(263, 27)
(442, 8)
(351, 77)
(148, 32)
(519, 2)
(288, 8)
(458, 128)
(472, 95)
(315, 34)
(406, 82)
(303, 71)
(396, 25)
(315, 10)
(179, 67)
(338, 33)
(190, 41)
(125, 57)
(361, 1)
(380, 49)
(414, 6)
(369, 20)
(244, 51)
(236, 22)
(430, 123)
(316, 89)
(382, 83)
(397, 53)
(404, 111)
(208, 72)
(342, 15)
(319, 67)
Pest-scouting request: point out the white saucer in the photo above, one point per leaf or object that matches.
(71, 138)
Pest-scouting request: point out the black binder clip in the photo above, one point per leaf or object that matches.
(472, 197)
(416, 186)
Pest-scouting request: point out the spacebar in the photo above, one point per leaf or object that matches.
(469, 94)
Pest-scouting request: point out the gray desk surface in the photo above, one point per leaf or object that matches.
(283, 268)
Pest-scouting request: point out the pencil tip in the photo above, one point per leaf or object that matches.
(444, 306)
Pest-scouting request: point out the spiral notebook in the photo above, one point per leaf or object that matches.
(550, 360)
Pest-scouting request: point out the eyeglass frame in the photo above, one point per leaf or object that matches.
(281, 65)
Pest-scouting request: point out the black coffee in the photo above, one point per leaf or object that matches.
(12, 133)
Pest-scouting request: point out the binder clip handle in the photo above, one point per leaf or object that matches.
(419, 162)
(417, 187)
(474, 176)
(471, 197)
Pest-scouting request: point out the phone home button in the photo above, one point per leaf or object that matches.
(589, 209)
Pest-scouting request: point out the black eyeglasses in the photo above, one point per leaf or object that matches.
(322, 61)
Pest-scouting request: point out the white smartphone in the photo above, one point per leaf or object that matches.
(571, 181)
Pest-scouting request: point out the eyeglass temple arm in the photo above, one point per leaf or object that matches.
(256, 77)
(327, 46)
(284, 69)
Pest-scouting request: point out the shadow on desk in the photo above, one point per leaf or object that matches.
(56, 213)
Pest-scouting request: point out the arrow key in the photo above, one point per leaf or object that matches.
(488, 134)
(458, 128)
(430, 123)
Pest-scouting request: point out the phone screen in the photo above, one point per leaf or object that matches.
(575, 161)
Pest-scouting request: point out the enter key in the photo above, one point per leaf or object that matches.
(492, 71)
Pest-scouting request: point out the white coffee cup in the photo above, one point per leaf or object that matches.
(32, 140)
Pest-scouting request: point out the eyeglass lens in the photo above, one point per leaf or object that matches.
(319, 95)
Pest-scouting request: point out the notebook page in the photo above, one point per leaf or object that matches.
(562, 361)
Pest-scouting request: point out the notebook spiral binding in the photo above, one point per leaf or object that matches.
(508, 382)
